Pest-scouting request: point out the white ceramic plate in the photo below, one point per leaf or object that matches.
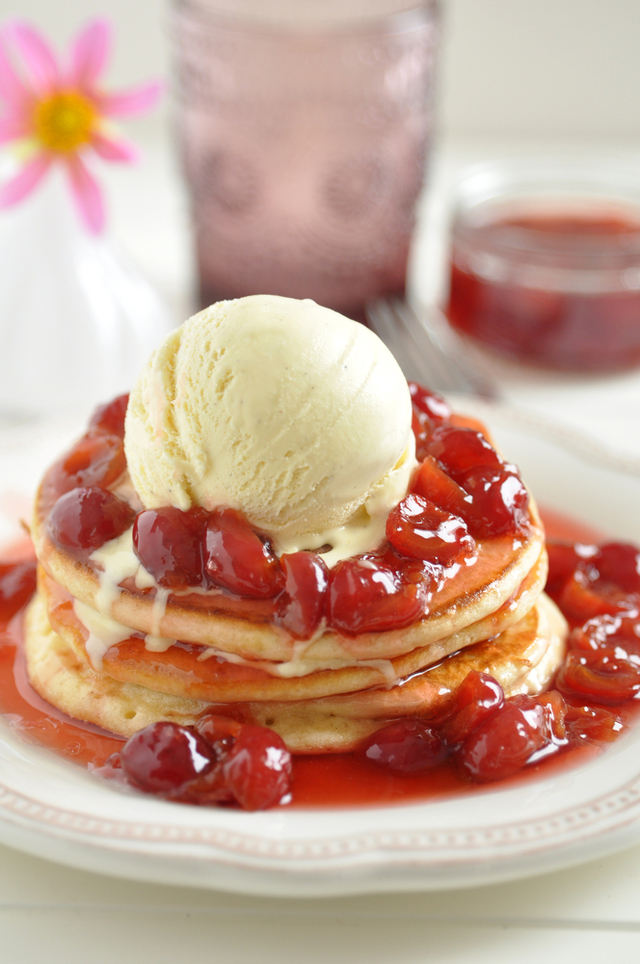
(51, 808)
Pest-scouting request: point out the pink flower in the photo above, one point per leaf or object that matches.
(60, 113)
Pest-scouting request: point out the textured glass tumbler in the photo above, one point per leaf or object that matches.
(304, 151)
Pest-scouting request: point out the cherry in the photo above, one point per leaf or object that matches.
(258, 768)
(430, 403)
(588, 581)
(418, 528)
(237, 559)
(85, 518)
(94, 460)
(476, 699)
(109, 418)
(499, 501)
(305, 589)
(217, 761)
(555, 708)
(592, 724)
(429, 410)
(505, 742)
(163, 757)
(220, 732)
(605, 675)
(434, 484)
(17, 585)
(583, 597)
(168, 543)
(459, 450)
(564, 559)
(210, 786)
(406, 746)
(603, 632)
(619, 563)
(207, 789)
(367, 596)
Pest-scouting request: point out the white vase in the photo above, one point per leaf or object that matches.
(76, 321)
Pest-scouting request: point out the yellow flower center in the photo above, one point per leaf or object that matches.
(64, 121)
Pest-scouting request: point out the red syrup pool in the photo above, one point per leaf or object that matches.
(331, 780)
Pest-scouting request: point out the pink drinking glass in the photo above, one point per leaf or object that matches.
(304, 147)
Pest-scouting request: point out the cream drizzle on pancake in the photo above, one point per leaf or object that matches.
(118, 562)
(296, 668)
(105, 632)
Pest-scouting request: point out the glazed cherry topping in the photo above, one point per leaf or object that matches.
(591, 724)
(462, 473)
(582, 599)
(606, 631)
(109, 418)
(430, 403)
(305, 590)
(429, 410)
(217, 761)
(406, 746)
(17, 585)
(507, 740)
(618, 564)
(220, 732)
(94, 460)
(564, 558)
(85, 518)
(237, 559)
(257, 769)
(368, 596)
(460, 450)
(499, 501)
(588, 581)
(163, 757)
(434, 484)
(168, 543)
(477, 698)
(418, 528)
(210, 787)
(607, 675)
(555, 707)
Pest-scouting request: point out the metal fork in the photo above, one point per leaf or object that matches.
(426, 349)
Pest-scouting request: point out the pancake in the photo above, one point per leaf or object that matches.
(468, 597)
(522, 658)
(69, 683)
(199, 672)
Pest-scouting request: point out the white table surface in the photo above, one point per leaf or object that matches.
(54, 914)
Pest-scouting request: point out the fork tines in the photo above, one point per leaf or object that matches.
(434, 358)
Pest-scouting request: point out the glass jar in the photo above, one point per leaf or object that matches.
(545, 262)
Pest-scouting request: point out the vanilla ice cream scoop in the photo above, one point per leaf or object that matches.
(283, 409)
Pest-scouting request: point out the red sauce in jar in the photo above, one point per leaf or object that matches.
(559, 290)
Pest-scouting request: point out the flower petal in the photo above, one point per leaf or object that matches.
(38, 55)
(25, 180)
(90, 52)
(132, 101)
(110, 149)
(13, 127)
(12, 90)
(86, 193)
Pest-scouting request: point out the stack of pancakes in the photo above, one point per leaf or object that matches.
(107, 646)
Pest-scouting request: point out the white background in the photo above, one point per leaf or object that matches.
(512, 73)
(543, 68)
